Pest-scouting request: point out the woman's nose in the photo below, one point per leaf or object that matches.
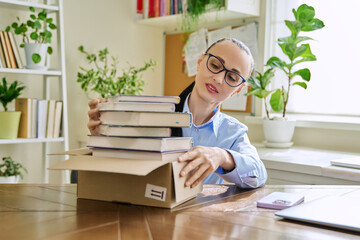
(219, 77)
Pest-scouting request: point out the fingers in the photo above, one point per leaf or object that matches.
(94, 102)
(92, 126)
(202, 177)
(189, 167)
(94, 114)
(196, 176)
(188, 156)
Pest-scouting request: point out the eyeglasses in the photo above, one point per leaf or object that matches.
(232, 78)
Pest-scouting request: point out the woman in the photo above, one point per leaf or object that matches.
(222, 148)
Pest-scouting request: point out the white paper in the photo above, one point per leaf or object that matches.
(248, 35)
(215, 35)
(195, 46)
(236, 102)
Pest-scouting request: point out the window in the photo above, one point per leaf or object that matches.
(334, 88)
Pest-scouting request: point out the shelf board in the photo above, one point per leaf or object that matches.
(30, 140)
(31, 71)
(234, 10)
(22, 5)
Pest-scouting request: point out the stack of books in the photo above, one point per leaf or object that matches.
(9, 52)
(139, 127)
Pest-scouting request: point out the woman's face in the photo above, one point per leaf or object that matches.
(212, 87)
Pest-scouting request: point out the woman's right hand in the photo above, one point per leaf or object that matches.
(94, 115)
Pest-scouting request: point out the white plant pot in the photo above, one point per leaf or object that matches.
(39, 48)
(279, 132)
(11, 179)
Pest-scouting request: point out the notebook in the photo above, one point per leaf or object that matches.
(347, 162)
(333, 211)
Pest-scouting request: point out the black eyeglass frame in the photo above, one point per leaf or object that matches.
(223, 69)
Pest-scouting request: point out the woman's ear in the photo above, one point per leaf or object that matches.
(199, 61)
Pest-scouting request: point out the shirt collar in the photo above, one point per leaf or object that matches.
(214, 121)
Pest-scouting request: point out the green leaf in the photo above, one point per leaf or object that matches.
(277, 101)
(304, 74)
(307, 55)
(49, 50)
(33, 17)
(296, 40)
(275, 62)
(22, 45)
(314, 25)
(42, 15)
(32, 9)
(36, 58)
(37, 25)
(301, 84)
(294, 27)
(34, 36)
(7, 29)
(14, 25)
(49, 20)
(52, 26)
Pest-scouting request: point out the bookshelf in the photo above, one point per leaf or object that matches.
(48, 76)
(234, 10)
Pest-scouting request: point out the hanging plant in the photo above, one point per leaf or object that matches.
(195, 8)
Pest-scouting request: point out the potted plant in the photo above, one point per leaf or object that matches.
(279, 130)
(9, 120)
(36, 29)
(10, 171)
(193, 9)
(103, 78)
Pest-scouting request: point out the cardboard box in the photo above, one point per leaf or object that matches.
(140, 182)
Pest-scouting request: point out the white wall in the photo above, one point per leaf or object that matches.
(96, 25)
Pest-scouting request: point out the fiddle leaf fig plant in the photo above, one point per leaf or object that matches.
(37, 29)
(103, 78)
(297, 52)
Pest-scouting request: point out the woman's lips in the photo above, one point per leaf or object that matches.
(211, 88)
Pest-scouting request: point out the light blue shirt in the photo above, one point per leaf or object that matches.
(229, 134)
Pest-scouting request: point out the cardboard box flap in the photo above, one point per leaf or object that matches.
(74, 152)
(183, 193)
(111, 165)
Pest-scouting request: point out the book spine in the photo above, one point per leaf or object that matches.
(7, 60)
(2, 56)
(10, 50)
(16, 50)
(24, 106)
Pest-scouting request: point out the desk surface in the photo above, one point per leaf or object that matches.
(219, 212)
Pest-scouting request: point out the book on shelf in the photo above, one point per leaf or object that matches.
(137, 155)
(3, 44)
(50, 119)
(10, 50)
(138, 106)
(144, 144)
(124, 131)
(146, 119)
(57, 120)
(15, 50)
(34, 118)
(145, 98)
(42, 118)
(2, 56)
(24, 105)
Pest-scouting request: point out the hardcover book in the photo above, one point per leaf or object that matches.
(123, 131)
(146, 119)
(142, 144)
(145, 98)
(137, 155)
(138, 106)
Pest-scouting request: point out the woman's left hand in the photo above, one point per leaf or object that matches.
(204, 160)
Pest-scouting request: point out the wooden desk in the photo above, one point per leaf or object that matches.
(220, 212)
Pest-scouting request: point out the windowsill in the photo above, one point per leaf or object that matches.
(317, 121)
(308, 161)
